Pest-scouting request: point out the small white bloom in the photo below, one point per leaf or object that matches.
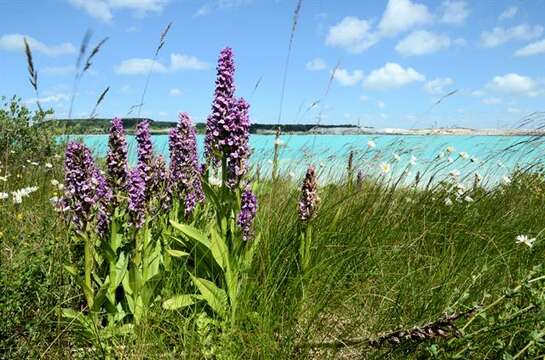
(396, 157)
(3, 195)
(12, 151)
(48, 165)
(464, 155)
(4, 178)
(441, 155)
(54, 182)
(385, 168)
(34, 163)
(450, 160)
(506, 180)
(450, 149)
(412, 162)
(270, 161)
(524, 239)
(448, 202)
(371, 144)
(214, 181)
(54, 200)
(61, 187)
(468, 199)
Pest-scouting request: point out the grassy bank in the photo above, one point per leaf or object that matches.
(384, 258)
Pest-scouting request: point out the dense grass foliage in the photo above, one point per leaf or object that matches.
(383, 258)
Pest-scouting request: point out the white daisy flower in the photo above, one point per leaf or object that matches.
(524, 239)
(3, 195)
(385, 168)
(54, 182)
(48, 165)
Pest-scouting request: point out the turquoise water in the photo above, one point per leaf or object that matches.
(491, 156)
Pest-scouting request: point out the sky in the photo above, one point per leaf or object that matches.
(383, 63)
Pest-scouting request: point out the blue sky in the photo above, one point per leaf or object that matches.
(395, 58)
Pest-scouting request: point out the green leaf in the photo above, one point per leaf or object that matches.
(178, 302)
(151, 263)
(71, 270)
(177, 253)
(191, 233)
(248, 256)
(219, 250)
(213, 295)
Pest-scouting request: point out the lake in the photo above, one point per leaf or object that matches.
(492, 157)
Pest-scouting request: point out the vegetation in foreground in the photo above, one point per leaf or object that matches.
(363, 268)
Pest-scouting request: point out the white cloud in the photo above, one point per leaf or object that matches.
(402, 15)
(203, 10)
(186, 62)
(103, 9)
(534, 48)
(346, 78)
(139, 66)
(97, 9)
(437, 86)
(15, 42)
(55, 98)
(514, 84)
(422, 42)
(508, 13)
(175, 92)
(207, 8)
(500, 35)
(316, 64)
(391, 76)
(59, 70)
(454, 12)
(352, 34)
(491, 101)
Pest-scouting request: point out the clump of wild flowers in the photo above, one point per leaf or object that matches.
(235, 144)
(227, 128)
(137, 197)
(185, 171)
(309, 196)
(145, 152)
(116, 159)
(221, 105)
(81, 187)
(248, 209)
